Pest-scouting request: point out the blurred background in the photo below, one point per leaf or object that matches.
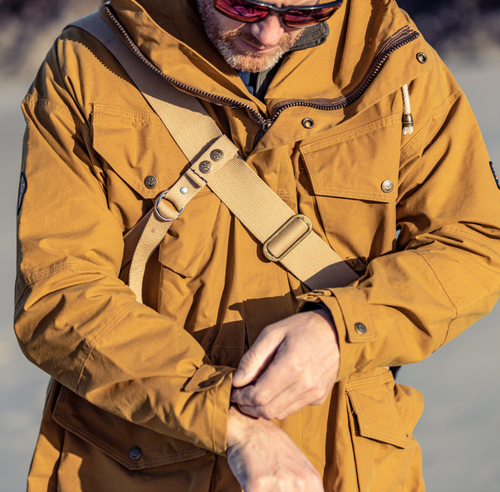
(460, 429)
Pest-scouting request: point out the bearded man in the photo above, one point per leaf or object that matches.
(231, 374)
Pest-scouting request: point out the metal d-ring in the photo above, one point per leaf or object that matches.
(162, 217)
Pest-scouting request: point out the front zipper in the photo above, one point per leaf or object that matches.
(399, 39)
(213, 98)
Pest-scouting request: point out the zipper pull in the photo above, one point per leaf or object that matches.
(266, 125)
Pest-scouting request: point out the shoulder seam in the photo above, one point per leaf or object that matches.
(50, 106)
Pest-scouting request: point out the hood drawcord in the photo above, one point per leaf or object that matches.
(407, 117)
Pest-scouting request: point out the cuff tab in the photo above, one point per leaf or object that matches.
(360, 326)
(206, 378)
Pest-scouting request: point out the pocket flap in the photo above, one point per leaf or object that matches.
(133, 446)
(385, 411)
(361, 164)
(136, 145)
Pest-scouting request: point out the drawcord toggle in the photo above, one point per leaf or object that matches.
(407, 116)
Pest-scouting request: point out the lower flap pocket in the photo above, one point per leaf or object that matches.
(385, 411)
(133, 446)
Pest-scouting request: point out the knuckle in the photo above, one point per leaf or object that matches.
(267, 414)
(311, 385)
(302, 483)
(308, 385)
(261, 398)
(282, 483)
(261, 483)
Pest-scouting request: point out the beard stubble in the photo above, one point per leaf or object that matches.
(236, 58)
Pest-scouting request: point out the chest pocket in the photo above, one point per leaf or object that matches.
(135, 145)
(141, 160)
(354, 178)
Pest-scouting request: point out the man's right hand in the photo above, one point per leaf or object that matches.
(264, 459)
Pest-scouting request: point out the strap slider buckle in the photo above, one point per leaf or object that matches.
(285, 239)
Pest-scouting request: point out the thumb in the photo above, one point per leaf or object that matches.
(256, 360)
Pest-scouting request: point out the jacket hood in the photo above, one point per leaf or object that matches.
(362, 35)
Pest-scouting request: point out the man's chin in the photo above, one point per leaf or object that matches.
(252, 62)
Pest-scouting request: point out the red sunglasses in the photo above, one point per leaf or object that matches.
(296, 16)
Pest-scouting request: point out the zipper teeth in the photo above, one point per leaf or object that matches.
(393, 43)
(407, 36)
(257, 117)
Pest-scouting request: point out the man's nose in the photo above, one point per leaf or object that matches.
(269, 31)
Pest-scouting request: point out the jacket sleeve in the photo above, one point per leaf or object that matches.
(445, 274)
(74, 317)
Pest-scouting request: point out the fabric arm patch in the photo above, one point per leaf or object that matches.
(23, 186)
(495, 174)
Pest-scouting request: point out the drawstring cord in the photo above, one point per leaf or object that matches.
(407, 117)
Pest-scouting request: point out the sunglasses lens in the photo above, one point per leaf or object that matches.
(241, 10)
(304, 18)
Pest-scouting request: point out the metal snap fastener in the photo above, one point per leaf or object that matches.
(150, 182)
(205, 167)
(360, 328)
(135, 453)
(216, 155)
(422, 57)
(387, 186)
(307, 123)
(184, 190)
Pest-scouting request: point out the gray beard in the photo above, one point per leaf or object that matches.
(246, 61)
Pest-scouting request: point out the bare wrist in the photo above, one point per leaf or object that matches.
(237, 425)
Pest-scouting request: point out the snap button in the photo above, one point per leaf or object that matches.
(422, 57)
(360, 328)
(135, 453)
(307, 123)
(205, 167)
(150, 182)
(387, 186)
(183, 190)
(216, 155)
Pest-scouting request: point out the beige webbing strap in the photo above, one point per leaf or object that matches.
(287, 237)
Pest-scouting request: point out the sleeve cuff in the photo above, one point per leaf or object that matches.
(353, 321)
(217, 382)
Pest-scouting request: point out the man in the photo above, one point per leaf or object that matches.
(232, 374)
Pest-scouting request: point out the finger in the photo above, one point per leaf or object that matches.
(284, 371)
(258, 357)
(294, 400)
(286, 403)
(279, 375)
(254, 395)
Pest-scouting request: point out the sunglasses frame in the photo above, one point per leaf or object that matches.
(282, 11)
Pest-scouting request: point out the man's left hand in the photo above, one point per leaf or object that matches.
(294, 363)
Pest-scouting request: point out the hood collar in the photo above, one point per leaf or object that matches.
(174, 39)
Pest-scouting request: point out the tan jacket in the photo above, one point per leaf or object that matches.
(91, 143)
